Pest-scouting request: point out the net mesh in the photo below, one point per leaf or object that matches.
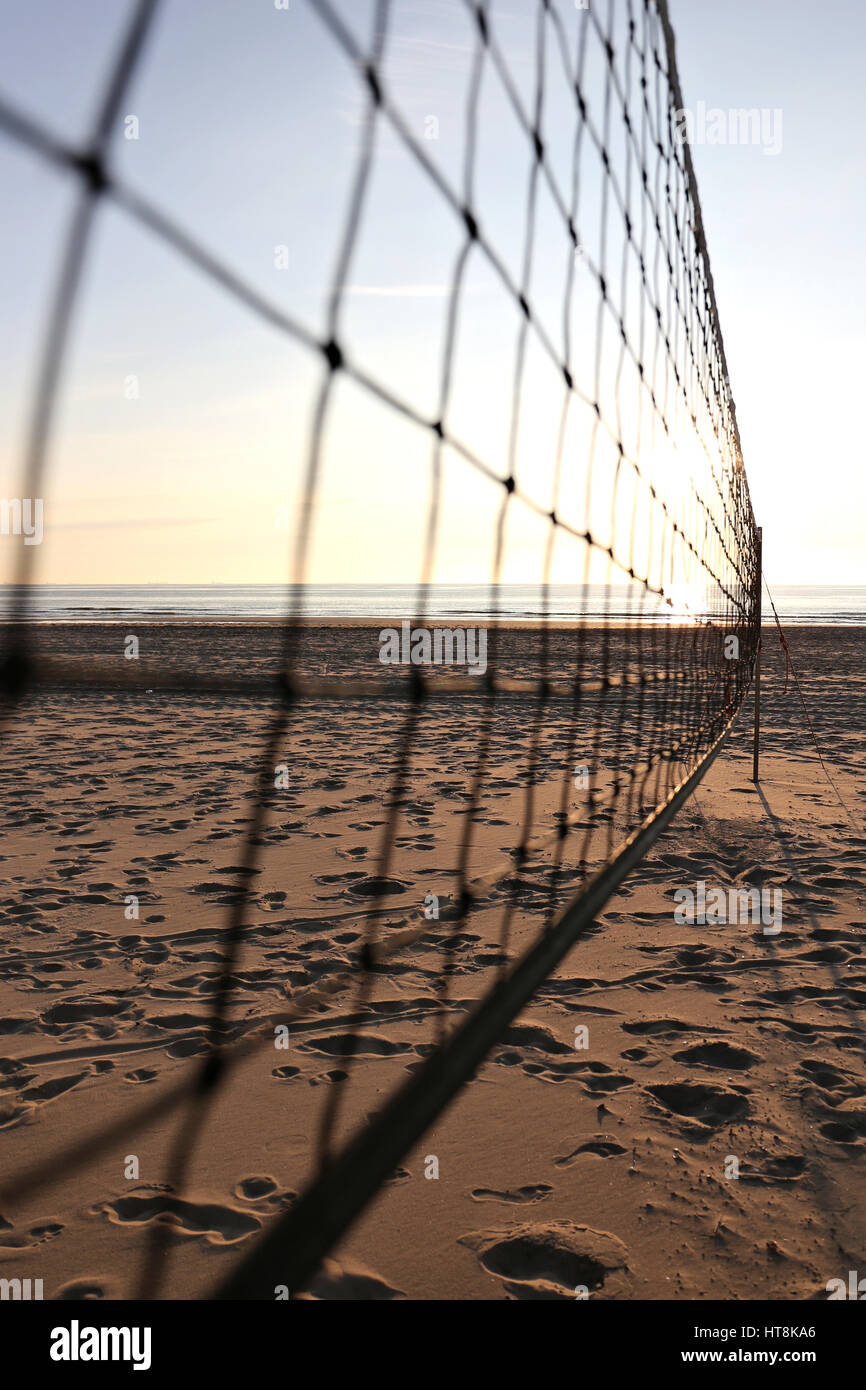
(639, 481)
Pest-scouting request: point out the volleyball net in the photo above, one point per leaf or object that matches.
(595, 432)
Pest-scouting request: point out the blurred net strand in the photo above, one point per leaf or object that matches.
(465, 211)
(258, 1030)
(28, 132)
(393, 1132)
(696, 711)
(533, 132)
(257, 1033)
(182, 1154)
(291, 1251)
(791, 670)
(91, 166)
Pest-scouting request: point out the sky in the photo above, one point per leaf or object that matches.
(785, 236)
(183, 427)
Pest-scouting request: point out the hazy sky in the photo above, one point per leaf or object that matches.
(184, 422)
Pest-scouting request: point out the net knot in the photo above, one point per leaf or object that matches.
(333, 355)
(92, 170)
(372, 78)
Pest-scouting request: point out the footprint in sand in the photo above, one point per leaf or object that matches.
(253, 1189)
(350, 1283)
(661, 1027)
(285, 1073)
(376, 887)
(83, 1289)
(826, 1077)
(263, 1190)
(13, 1238)
(848, 1125)
(365, 1045)
(550, 1260)
(22, 1023)
(601, 1080)
(83, 1011)
(328, 1076)
(56, 1086)
(601, 1147)
(212, 1221)
(717, 1054)
(13, 1113)
(517, 1195)
(787, 1168)
(540, 1039)
(704, 1105)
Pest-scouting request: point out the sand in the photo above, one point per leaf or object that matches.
(606, 1166)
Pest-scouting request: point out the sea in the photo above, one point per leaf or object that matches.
(459, 603)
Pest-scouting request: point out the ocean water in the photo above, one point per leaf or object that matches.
(459, 603)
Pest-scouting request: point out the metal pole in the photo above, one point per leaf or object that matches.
(758, 658)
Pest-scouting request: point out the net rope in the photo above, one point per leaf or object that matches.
(651, 702)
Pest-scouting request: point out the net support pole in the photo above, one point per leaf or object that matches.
(756, 749)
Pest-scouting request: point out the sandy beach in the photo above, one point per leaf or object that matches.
(605, 1165)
